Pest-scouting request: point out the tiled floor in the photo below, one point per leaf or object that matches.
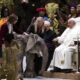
(43, 78)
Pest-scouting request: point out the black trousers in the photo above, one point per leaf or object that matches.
(37, 64)
(50, 56)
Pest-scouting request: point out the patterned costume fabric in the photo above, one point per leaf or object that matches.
(51, 8)
(12, 57)
(33, 44)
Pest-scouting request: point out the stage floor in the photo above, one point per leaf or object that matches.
(42, 79)
(47, 79)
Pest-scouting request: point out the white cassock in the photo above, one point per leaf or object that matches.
(63, 53)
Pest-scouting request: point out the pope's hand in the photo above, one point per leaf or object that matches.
(19, 35)
(14, 32)
(55, 40)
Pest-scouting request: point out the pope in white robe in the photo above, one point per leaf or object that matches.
(63, 53)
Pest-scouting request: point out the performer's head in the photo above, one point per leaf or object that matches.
(41, 11)
(78, 8)
(12, 19)
(71, 22)
(47, 25)
(72, 9)
(40, 22)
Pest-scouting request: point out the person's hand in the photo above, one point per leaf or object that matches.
(14, 32)
(55, 40)
(25, 33)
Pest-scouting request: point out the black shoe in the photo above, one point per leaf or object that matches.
(56, 69)
(67, 70)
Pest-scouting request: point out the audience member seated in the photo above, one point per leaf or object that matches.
(62, 55)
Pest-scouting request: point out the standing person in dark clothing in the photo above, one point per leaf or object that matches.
(6, 32)
(49, 35)
(26, 10)
(37, 27)
(4, 11)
